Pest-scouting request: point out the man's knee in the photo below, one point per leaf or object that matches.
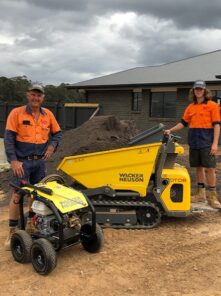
(211, 171)
(200, 169)
(15, 198)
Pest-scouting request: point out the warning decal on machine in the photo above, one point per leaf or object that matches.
(71, 203)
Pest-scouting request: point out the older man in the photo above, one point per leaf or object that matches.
(31, 137)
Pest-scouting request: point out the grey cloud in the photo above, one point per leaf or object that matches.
(61, 5)
(53, 41)
(72, 15)
(184, 13)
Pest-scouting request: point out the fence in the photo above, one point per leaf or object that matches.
(68, 116)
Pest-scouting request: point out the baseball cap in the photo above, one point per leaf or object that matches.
(37, 87)
(200, 84)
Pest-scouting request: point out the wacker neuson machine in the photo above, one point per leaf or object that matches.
(133, 187)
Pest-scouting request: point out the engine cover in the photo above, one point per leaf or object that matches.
(40, 208)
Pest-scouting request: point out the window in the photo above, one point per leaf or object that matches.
(163, 104)
(136, 101)
(217, 96)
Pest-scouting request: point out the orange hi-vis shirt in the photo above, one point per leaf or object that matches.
(201, 119)
(26, 136)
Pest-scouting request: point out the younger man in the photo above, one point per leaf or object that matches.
(203, 119)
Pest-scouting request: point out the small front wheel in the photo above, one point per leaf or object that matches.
(21, 243)
(91, 243)
(43, 256)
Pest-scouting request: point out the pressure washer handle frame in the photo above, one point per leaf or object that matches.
(93, 215)
(22, 193)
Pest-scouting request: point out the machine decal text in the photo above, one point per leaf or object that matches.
(125, 177)
(71, 203)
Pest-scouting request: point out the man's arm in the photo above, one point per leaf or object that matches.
(9, 141)
(214, 147)
(53, 144)
(16, 165)
(55, 137)
(175, 128)
(183, 123)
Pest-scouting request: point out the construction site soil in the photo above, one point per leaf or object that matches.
(180, 257)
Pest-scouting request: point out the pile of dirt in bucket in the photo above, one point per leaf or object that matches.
(98, 134)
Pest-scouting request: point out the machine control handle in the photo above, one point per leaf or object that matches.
(169, 138)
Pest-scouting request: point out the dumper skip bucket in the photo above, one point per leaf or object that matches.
(121, 169)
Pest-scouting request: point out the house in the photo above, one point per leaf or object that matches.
(153, 94)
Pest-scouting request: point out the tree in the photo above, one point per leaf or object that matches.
(14, 89)
(61, 94)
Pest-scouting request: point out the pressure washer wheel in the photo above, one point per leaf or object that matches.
(43, 256)
(21, 243)
(53, 177)
(149, 216)
(91, 244)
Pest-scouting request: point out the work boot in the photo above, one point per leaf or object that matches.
(213, 200)
(30, 227)
(200, 196)
(12, 230)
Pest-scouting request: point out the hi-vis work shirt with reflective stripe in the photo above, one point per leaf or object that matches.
(24, 136)
(201, 119)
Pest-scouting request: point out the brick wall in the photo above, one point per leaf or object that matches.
(118, 103)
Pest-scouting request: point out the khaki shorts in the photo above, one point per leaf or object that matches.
(202, 158)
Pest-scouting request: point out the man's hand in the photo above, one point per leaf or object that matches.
(17, 168)
(48, 152)
(167, 132)
(214, 149)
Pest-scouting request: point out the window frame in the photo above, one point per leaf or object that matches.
(163, 113)
(136, 102)
(215, 96)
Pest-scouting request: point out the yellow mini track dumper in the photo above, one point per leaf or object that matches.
(133, 187)
(57, 223)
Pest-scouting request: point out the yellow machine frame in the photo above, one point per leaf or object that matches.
(132, 169)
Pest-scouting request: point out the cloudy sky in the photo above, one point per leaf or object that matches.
(55, 41)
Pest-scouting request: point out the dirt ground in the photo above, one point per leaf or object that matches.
(180, 257)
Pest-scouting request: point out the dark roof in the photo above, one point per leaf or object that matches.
(205, 67)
